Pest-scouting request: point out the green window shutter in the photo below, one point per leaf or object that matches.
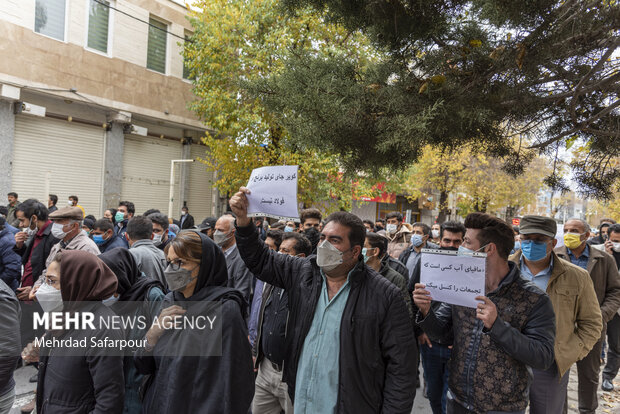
(49, 18)
(98, 21)
(156, 54)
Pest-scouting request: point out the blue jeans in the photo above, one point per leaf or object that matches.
(435, 363)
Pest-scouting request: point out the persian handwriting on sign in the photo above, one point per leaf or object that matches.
(453, 279)
(273, 192)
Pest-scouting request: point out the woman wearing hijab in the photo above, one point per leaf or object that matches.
(197, 277)
(133, 287)
(90, 382)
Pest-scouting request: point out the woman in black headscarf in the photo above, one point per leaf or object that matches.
(180, 381)
(140, 298)
(82, 380)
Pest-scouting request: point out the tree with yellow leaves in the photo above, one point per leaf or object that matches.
(476, 180)
(236, 42)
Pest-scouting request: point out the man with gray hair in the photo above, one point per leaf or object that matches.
(66, 226)
(239, 277)
(604, 274)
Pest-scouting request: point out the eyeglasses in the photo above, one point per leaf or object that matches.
(52, 282)
(176, 264)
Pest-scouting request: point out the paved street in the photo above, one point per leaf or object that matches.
(609, 402)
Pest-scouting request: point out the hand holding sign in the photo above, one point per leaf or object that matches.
(486, 311)
(273, 192)
(239, 205)
(453, 278)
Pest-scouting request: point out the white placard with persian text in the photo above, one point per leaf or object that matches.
(273, 192)
(452, 278)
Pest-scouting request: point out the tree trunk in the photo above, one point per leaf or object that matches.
(443, 207)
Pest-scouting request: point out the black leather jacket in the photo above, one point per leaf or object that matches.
(378, 352)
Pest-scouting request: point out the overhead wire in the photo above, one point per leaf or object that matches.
(140, 20)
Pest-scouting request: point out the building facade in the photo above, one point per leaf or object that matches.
(93, 103)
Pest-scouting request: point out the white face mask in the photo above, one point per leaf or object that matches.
(435, 234)
(328, 257)
(57, 231)
(391, 228)
(49, 298)
(616, 247)
(69, 203)
(220, 238)
(183, 213)
(157, 239)
(110, 301)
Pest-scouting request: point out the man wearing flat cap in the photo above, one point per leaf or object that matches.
(577, 313)
(67, 226)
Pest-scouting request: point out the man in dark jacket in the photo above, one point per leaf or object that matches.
(10, 345)
(104, 237)
(35, 244)
(271, 393)
(124, 213)
(495, 344)
(187, 220)
(349, 344)
(419, 240)
(10, 261)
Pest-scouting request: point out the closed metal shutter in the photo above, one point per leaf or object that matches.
(146, 173)
(59, 157)
(200, 191)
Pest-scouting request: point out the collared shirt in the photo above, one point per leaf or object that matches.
(540, 279)
(316, 389)
(413, 259)
(274, 325)
(581, 261)
(231, 249)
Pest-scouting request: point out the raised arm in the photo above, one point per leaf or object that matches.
(277, 269)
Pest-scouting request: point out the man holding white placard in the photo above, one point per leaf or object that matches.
(511, 329)
(349, 342)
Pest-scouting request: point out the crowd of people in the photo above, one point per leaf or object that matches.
(320, 314)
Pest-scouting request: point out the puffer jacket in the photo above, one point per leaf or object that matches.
(489, 368)
(378, 352)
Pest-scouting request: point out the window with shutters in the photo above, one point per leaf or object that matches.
(49, 18)
(156, 54)
(98, 25)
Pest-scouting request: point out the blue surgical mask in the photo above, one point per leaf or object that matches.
(288, 229)
(98, 239)
(417, 240)
(533, 250)
(364, 251)
(517, 245)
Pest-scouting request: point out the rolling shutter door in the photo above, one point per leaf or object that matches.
(146, 173)
(200, 191)
(58, 157)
